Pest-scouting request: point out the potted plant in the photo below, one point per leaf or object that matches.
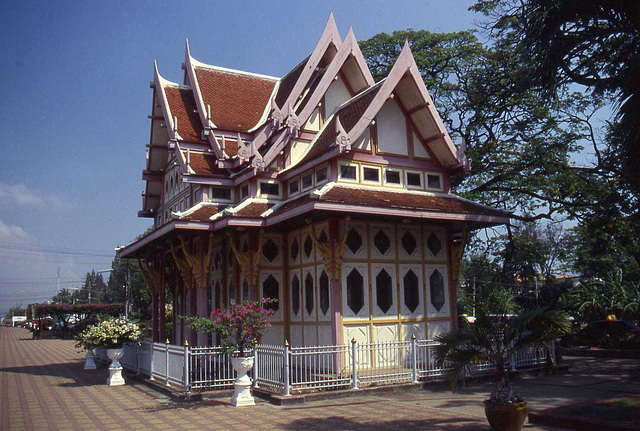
(112, 333)
(240, 328)
(495, 338)
(87, 341)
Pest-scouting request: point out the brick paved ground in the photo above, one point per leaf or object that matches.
(44, 386)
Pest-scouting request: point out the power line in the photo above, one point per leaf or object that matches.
(53, 250)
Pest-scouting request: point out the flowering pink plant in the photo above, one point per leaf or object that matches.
(240, 326)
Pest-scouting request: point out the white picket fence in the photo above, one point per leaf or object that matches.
(291, 370)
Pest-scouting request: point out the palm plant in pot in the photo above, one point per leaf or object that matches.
(495, 338)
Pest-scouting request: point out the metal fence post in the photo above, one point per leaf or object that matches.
(513, 362)
(414, 358)
(166, 363)
(553, 351)
(152, 344)
(185, 379)
(287, 369)
(255, 367)
(354, 363)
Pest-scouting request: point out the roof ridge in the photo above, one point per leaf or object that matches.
(200, 65)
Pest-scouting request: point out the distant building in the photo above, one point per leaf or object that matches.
(322, 189)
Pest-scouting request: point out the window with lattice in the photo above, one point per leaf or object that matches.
(384, 291)
(271, 290)
(324, 292)
(308, 293)
(355, 291)
(411, 290)
(436, 283)
(295, 295)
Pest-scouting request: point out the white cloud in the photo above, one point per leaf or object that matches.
(21, 194)
(14, 234)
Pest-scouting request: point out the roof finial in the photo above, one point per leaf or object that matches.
(293, 124)
(462, 156)
(342, 137)
(187, 50)
(277, 117)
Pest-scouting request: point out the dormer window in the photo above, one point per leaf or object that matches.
(197, 196)
(414, 180)
(321, 175)
(393, 177)
(371, 174)
(294, 186)
(434, 181)
(244, 191)
(221, 194)
(269, 188)
(307, 181)
(348, 172)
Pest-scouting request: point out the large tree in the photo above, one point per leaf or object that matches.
(527, 151)
(593, 43)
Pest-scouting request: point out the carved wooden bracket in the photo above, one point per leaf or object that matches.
(198, 260)
(249, 259)
(331, 251)
(151, 271)
(457, 250)
(183, 265)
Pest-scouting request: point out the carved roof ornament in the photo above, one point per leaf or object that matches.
(258, 160)
(277, 117)
(462, 156)
(293, 123)
(342, 137)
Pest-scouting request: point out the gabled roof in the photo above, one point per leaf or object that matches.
(182, 106)
(349, 114)
(355, 115)
(237, 100)
(204, 165)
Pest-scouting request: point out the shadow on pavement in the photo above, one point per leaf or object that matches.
(340, 423)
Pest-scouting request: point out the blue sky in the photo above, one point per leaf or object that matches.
(74, 100)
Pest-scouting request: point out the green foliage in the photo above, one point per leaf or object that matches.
(494, 338)
(595, 299)
(110, 333)
(240, 327)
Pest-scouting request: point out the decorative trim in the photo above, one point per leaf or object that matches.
(331, 251)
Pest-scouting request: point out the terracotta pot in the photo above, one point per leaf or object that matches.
(505, 417)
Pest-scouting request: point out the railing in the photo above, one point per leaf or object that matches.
(287, 370)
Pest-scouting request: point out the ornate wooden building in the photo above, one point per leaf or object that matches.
(322, 189)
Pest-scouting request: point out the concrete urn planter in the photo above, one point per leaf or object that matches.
(115, 369)
(90, 360)
(242, 384)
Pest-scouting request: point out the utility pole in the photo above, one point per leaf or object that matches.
(127, 286)
(474, 296)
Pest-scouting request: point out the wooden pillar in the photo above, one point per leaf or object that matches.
(336, 284)
(161, 301)
(201, 310)
(154, 316)
(255, 247)
(193, 311)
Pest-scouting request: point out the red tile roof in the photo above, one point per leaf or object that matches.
(359, 196)
(203, 213)
(237, 101)
(183, 105)
(204, 165)
(253, 210)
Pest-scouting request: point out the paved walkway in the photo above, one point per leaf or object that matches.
(44, 386)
